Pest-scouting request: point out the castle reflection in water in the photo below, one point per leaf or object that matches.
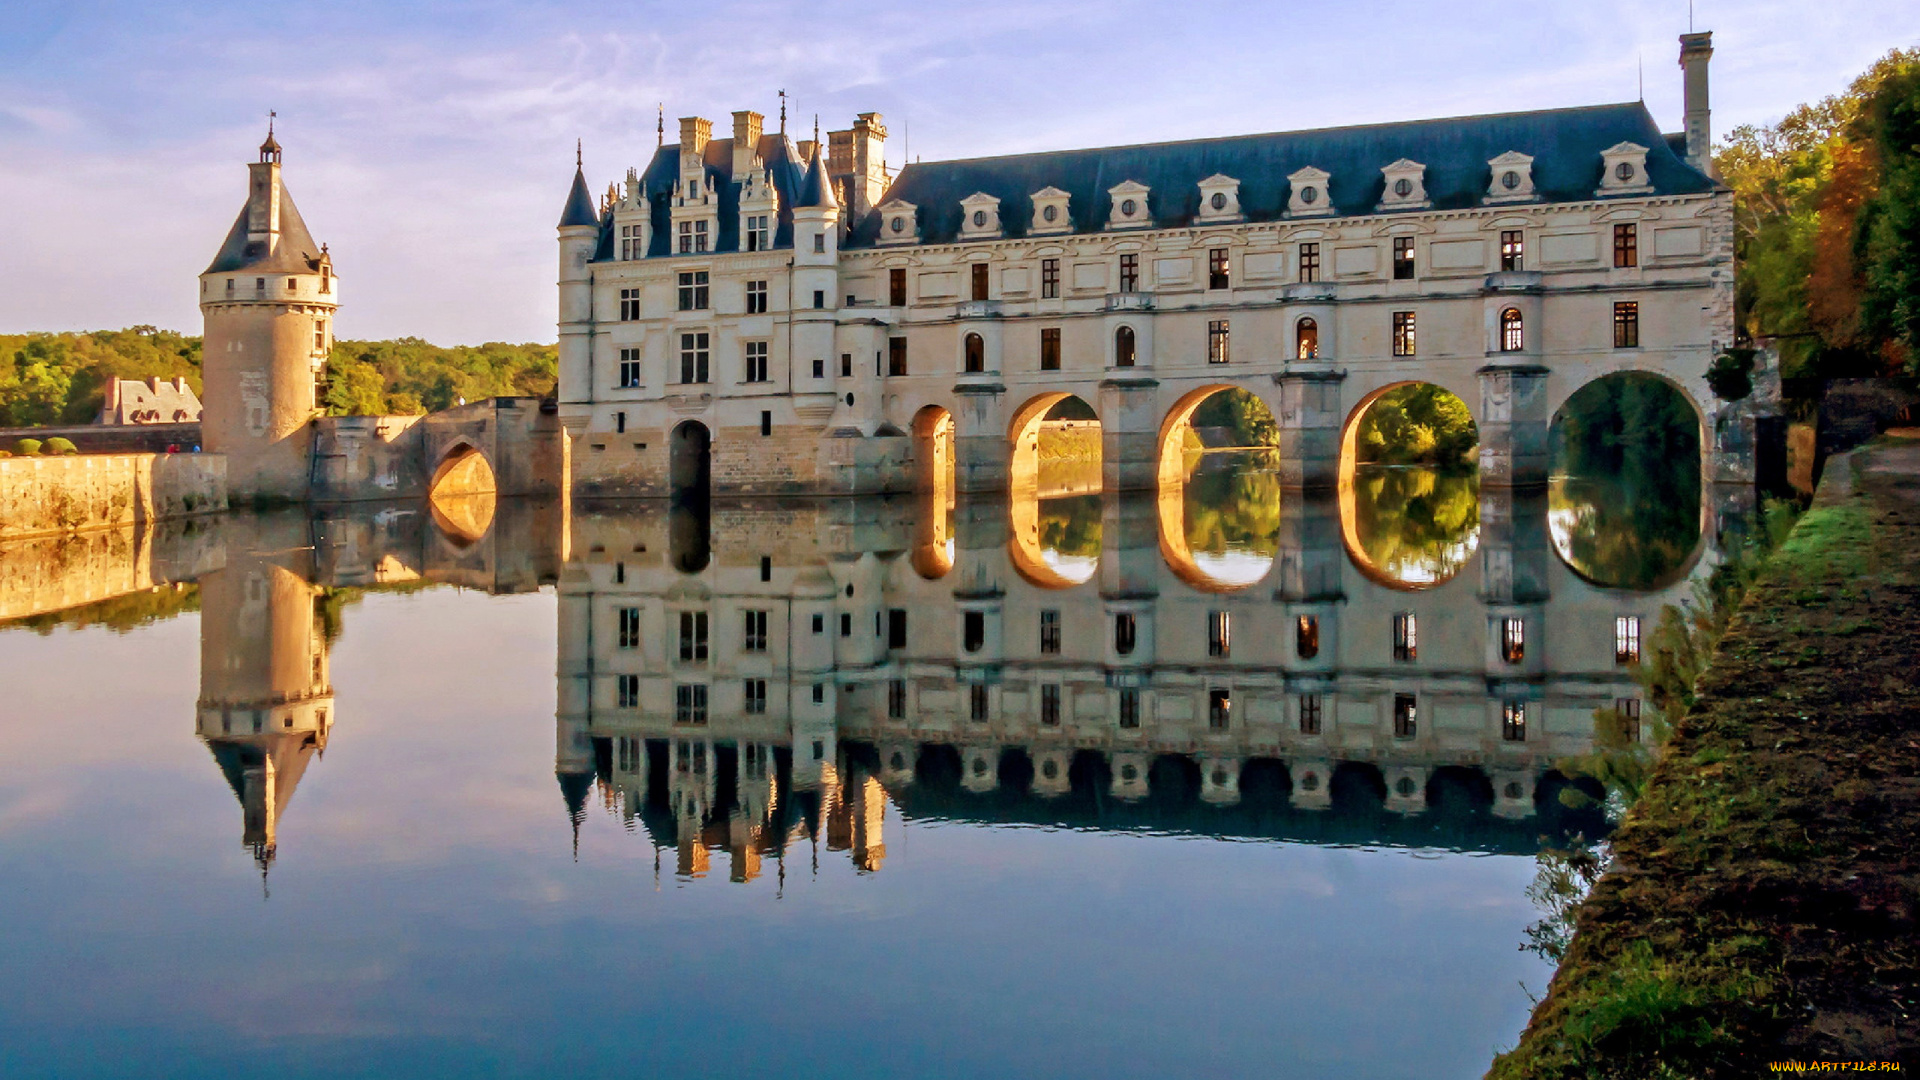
(1403, 664)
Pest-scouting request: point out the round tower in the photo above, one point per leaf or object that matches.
(267, 302)
(579, 234)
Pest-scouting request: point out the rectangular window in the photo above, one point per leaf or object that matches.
(759, 235)
(979, 273)
(1050, 349)
(1403, 336)
(1219, 348)
(756, 361)
(756, 297)
(1403, 258)
(1129, 273)
(1626, 245)
(686, 238)
(819, 248)
(1050, 633)
(766, 568)
(693, 636)
(1129, 708)
(631, 753)
(1513, 721)
(633, 239)
(819, 368)
(1626, 324)
(1309, 714)
(896, 628)
(755, 697)
(896, 356)
(753, 637)
(977, 703)
(693, 357)
(693, 290)
(819, 698)
(1219, 633)
(699, 236)
(628, 687)
(1123, 633)
(1219, 709)
(1406, 636)
(897, 699)
(629, 368)
(319, 336)
(629, 305)
(1628, 709)
(1049, 279)
(620, 423)
(819, 624)
(1050, 705)
(819, 298)
(629, 628)
(1513, 640)
(1406, 717)
(973, 630)
(1218, 275)
(897, 287)
(1306, 636)
(1309, 262)
(1513, 249)
(1626, 639)
(690, 703)
(846, 624)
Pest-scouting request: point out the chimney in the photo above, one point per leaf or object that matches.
(746, 142)
(1695, 51)
(695, 133)
(856, 159)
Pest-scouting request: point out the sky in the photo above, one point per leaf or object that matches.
(431, 144)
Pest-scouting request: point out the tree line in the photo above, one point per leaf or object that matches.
(61, 378)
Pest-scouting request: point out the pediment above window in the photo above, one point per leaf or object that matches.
(1129, 206)
(1307, 193)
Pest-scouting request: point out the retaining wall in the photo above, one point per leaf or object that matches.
(46, 496)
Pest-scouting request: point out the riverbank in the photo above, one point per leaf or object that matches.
(1762, 902)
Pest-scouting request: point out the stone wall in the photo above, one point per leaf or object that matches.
(45, 496)
(111, 438)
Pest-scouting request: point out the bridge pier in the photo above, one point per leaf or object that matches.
(982, 450)
(1130, 418)
(1513, 425)
(1310, 420)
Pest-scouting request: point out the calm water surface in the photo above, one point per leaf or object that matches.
(608, 791)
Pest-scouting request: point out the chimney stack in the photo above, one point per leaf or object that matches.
(747, 126)
(1695, 51)
(695, 133)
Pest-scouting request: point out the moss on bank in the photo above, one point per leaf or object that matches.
(1762, 901)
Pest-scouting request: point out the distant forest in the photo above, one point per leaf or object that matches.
(61, 378)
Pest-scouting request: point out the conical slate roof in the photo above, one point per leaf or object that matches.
(579, 209)
(815, 191)
(296, 252)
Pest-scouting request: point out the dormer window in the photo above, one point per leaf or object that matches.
(758, 232)
(897, 222)
(693, 237)
(1511, 178)
(633, 244)
(1625, 170)
(1050, 212)
(1219, 198)
(1308, 193)
(1405, 186)
(980, 217)
(1130, 209)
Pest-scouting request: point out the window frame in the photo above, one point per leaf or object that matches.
(628, 627)
(629, 369)
(1306, 636)
(1050, 632)
(1626, 640)
(1220, 633)
(980, 282)
(1513, 330)
(696, 354)
(1626, 324)
(1310, 714)
(1049, 279)
(1406, 335)
(1129, 281)
(1309, 262)
(1050, 348)
(1406, 636)
(1306, 338)
(694, 287)
(1219, 268)
(630, 305)
(1219, 341)
(1513, 250)
(694, 640)
(1403, 268)
(896, 356)
(690, 704)
(753, 631)
(1406, 716)
(1513, 640)
(1513, 721)
(757, 297)
(1626, 245)
(897, 287)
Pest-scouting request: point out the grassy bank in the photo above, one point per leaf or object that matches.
(1762, 899)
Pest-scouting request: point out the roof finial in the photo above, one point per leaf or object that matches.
(660, 127)
(579, 161)
(271, 114)
(783, 112)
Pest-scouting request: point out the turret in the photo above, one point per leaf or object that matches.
(579, 234)
(267, 301)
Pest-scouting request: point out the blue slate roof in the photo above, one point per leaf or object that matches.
(297, 253)
(815, 191)
(662, 176)
(579, 209)
(1565, 144)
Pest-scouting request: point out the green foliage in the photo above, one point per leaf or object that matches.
(62, 378)
(409, 376)
(1416, 525)
(1827, 225)
(1236, 508)
(120, 614)
(1241, 413)
(1416, 424)
(1625, 500)
(1730, 376)
(1563, 879)
(27, 447)
(1071, 525)
(58, 445)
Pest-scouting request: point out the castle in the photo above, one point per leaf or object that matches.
(750, 315)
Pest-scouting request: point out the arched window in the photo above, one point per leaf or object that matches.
(1306, 339)
(1123, 347)
(976, 353)
(1513, 336)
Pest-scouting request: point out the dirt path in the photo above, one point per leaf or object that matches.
(1762, 905)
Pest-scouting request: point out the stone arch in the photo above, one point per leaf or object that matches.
(1560, 526)
(934, 481)
(1030, 485)
(1175, 549)
(690, 460)
(1349, 494)
(461, 493)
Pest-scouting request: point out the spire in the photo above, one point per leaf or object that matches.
(270, 150)
(783, 112)
(815, 191)
(660, 127)
(579, 209)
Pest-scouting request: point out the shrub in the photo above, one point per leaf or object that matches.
(1731, 376)
(58, 445)
(27, 447)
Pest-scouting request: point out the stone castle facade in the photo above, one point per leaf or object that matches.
(757, 315)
